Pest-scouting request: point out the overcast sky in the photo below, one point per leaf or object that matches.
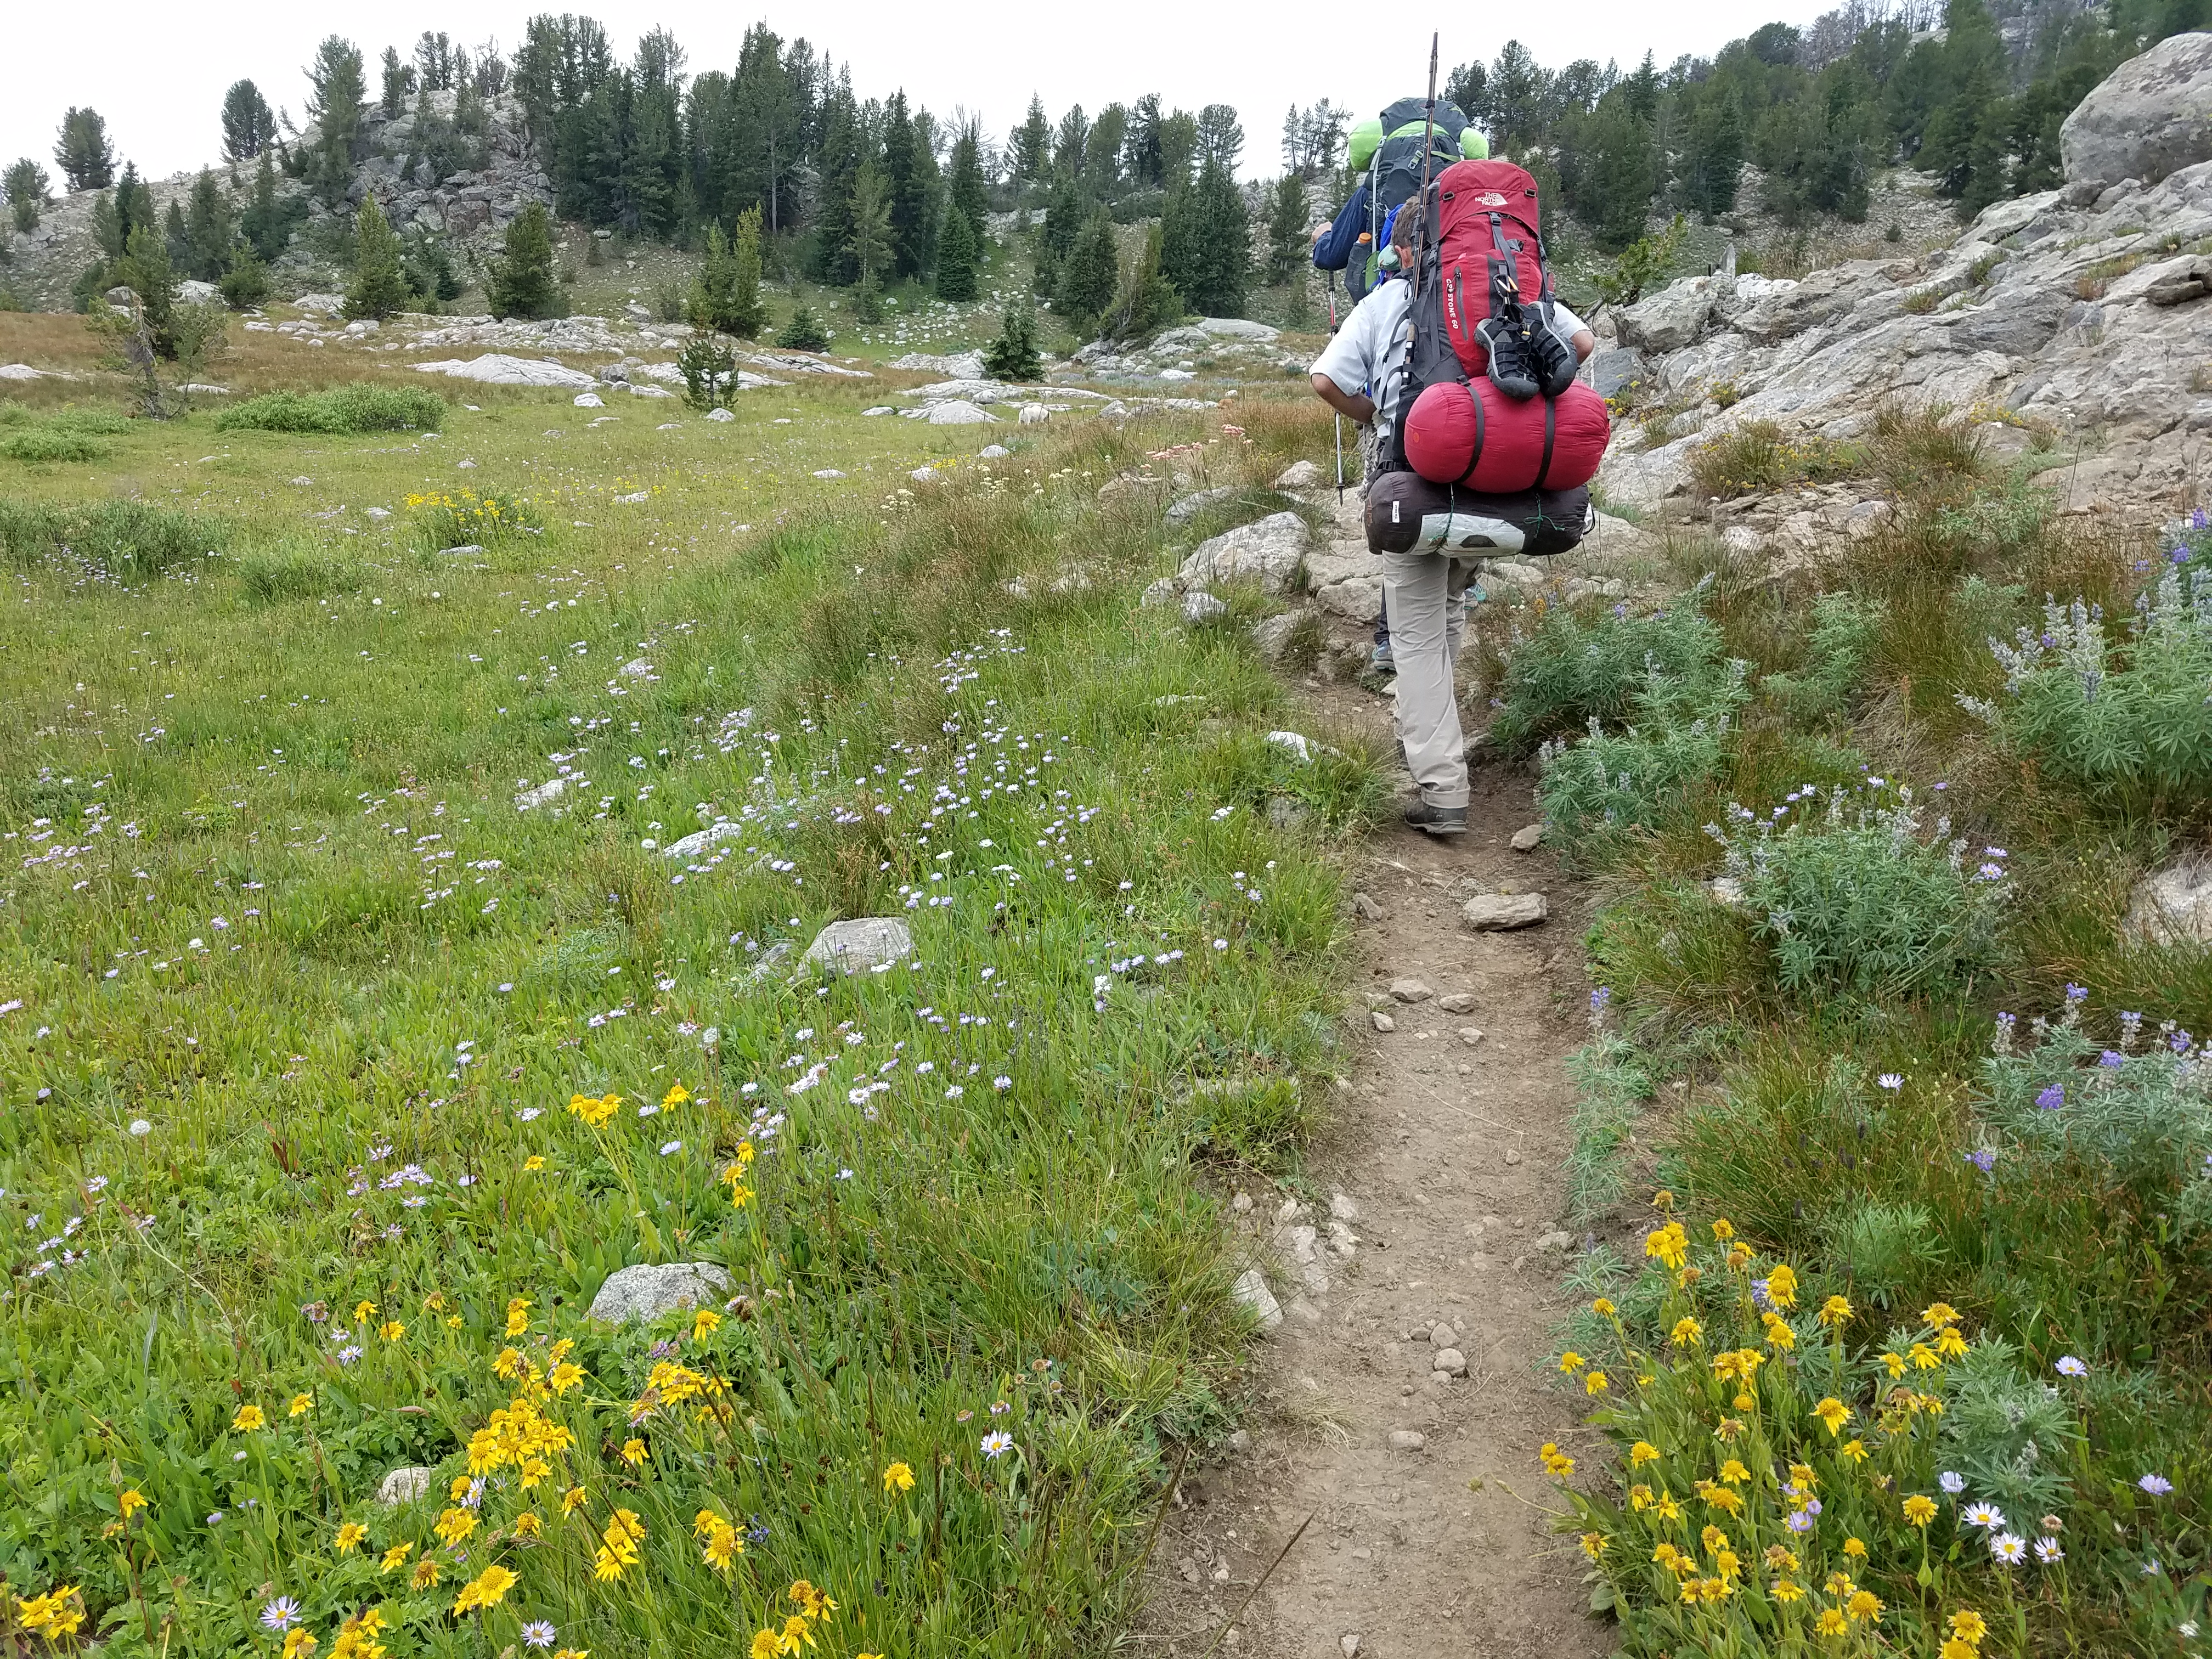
(157, 71)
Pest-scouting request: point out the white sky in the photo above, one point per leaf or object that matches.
(157, 71)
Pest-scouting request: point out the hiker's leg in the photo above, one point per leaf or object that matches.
(1415, 593)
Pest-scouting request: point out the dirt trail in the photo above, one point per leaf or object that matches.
(1450, 1154)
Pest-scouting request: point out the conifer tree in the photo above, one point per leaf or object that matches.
(398, 81)
(874, 247)
(748, 316)
(1090, 273)
(909, 188)
(175, 236)
(336, 92)
(82, 152)
(1013, 355)
(1146, 302)
(1032, 144)
(245, 284)
(838, 169)
(957, 259)
(1287, 213)
(266, 223)
(522, 278)
(804, 332)
(144, 269)
(209, 229)
(967, 189)
(249, 125)
(27, 185)
(379, 285)
(715, 288)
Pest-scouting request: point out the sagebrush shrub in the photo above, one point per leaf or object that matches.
(1608, 784)
(2127, 723)
(1858, 898)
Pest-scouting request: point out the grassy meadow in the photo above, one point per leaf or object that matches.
(333, 1083)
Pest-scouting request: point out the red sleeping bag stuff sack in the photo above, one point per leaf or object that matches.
(1475, 436)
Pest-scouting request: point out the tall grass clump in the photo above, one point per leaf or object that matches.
(122, 538)
(1756, 456)
(342, 410)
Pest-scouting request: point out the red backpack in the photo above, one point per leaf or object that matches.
(1490, 257)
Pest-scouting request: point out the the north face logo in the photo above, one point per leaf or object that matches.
(1490, 198)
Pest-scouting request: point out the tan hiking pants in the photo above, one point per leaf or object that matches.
(1424, 598)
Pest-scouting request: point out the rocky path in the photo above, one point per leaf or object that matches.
(1403, 1398)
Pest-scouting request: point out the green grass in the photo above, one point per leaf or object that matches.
(346, 409)
(276, 933)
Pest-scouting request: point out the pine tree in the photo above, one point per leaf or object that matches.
(967, 190)
(804, 332)
(209, 229)
(144, 269)
(1220, 263)
(398, 82)
(748, 316)
(955, 258)
(430, 270)
(1090, 273)
(337, 90)
(1182, 237)
(1287, 213)
(249, 125)
(379, 284)
(82, 152)
(909, 195)
(838, 169)
(709, 372)
(522, 280)
(1032, 144)
(715, 286)
(266, 223)
(245, 284)
(1147, 302)
(874, 247)
(1013, 355)
(174, 235)
(26, 184)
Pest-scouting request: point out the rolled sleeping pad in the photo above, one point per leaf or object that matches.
(1475, 436)
(1406, 513)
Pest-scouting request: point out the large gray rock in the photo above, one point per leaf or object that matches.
(497, 368)
(1676, 315)
(860, 945)
(193, 292)
(1184, 508)
(961, 366)
(1616, 368)
(648, 1291)
(1270, 552)
(2150, 117)
(2171, 905)
(958, 412)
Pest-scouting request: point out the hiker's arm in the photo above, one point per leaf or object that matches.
(1359, 409)
(1584, 342)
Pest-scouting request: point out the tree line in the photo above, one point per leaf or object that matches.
(1821, 111)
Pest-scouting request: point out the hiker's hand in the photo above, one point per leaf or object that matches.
(1353, 406)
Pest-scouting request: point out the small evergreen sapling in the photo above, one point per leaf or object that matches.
(27, 185)
(379, 279)
(804, 332)
(709, 374)
(1092, 270)
(522, 283)
(1013, 355)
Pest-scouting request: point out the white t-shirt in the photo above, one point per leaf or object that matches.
(1366, 352)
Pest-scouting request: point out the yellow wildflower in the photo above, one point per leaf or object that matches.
(1602, 1307)
(1778, 1333)
(1967, 1624)
(1686, 1331)
(1781, 1286)
(1831, 1622)
(1670, 1244)
(1723, 1229)
(1787, 1590)
(487, 1589)
(1856, 1450)
(1919, 1509)
(722, 1546)
(391, 1330)
(1896, 1364)
(1555, 1462)
(1781, 1557)
(427, 1573)
(1833, 1413)
(564, 1376)
(573, 1499)
(533, 1163)
(1596, 1382)
(454, 1524)
(518, 1315)
(1836, 1311)
(1953, 1648)
(301, 1405)
(247, 1419)
(1594, 1544)
(1667, 1509)
(396, 1557)
(129, 1502)
(362, 1310)
(1734, 1472)
(1854, 1548)
(1640, 1452)
(351, 1536)
(297, 1642)
(1865, 1605)
(765, 1645)
(594, 1112)
(1937, 1315)
(1924, 1356)
(1950, 1344)
(1571, 1362)
(527, 1525)
(633, 1451)
(897, 1477)
(1639, 1498)
(703, 1323)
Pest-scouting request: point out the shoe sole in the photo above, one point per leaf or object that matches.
(1440, 831)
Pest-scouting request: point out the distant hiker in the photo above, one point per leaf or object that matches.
(1432, 531)
(1386, 154)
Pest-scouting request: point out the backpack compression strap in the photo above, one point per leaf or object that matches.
(1551, 432)
(1474, 459)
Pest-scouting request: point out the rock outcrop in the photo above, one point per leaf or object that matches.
(2151, 116)
(2084, 321)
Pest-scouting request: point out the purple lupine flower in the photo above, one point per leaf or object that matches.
(2051, 1098)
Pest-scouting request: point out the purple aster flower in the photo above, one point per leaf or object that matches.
(2070, 1366)
(1799, 1521)
(2156, 1485)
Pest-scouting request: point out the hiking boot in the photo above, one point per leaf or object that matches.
(1436, 820)
(1384, 663)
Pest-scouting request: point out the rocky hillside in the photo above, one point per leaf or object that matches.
(471, 204)
(2070, 320)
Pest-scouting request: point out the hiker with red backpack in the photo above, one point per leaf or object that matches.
(1482, 441)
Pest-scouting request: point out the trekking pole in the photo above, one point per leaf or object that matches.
(1428, 162)
(1340, 417)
